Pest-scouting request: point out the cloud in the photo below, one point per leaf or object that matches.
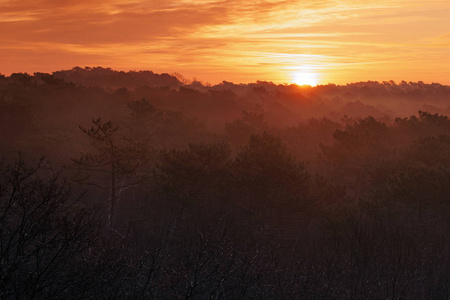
(218, 38)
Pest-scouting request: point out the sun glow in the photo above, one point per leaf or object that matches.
(306, 78)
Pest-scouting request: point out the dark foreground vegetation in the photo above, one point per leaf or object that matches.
(136, 185)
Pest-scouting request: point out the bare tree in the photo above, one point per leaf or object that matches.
(44, 231)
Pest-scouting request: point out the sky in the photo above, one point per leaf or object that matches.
(304, 42)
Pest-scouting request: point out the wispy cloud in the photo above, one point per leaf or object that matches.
(231, 40)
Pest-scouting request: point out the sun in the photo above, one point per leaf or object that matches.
(306, 78)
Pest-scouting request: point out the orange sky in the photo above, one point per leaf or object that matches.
(237, 40)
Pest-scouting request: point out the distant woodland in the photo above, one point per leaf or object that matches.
(137, 185)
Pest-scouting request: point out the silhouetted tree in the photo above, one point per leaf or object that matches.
(120, 159)
(186, 175)
(268, 181)
(44, 231)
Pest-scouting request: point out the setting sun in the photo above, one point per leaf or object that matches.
(305, 78)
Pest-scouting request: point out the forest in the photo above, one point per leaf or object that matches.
(137, 185)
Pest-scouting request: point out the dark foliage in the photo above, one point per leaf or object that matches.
(251, 191)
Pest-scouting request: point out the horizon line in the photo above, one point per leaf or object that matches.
(180, 77)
